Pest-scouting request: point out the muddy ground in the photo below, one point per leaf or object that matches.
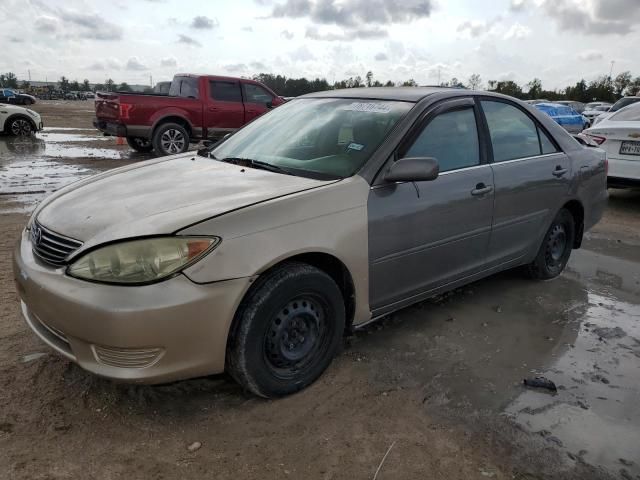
(438, 386)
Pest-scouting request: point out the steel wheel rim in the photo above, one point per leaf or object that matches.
(297, 336)
(21, 127)
(172, 141)
(556, 245)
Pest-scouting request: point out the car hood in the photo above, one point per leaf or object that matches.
(160, 197)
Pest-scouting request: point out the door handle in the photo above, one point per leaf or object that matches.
(559, 171)
(213, 109)
(481, 189)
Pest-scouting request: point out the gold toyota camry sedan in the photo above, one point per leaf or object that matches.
(255, 255)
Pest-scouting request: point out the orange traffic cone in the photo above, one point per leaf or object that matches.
(120, 141)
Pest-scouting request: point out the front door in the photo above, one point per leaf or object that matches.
(224, 111)
(423, 235)
(256, 101)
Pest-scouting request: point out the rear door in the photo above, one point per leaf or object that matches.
(224, 110)
(257, 101)
(531, 176)
(423, 235)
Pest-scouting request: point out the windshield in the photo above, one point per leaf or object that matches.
(623, 102)
(325, 136)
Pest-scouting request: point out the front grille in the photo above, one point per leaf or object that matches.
(51, 247)
(127, 357)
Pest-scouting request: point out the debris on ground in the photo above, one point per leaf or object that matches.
(194, 446)
(607, 333)
(540, 382)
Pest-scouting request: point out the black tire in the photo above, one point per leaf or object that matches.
(556, 247)
(286, 330)
(170, 139)
(20, 127)
(139, 144)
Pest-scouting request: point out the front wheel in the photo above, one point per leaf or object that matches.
(170, 138)
(556, 247)
(286, 331)
(21, 127)
(140, 144)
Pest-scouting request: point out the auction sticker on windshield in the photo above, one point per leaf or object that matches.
(368, 107)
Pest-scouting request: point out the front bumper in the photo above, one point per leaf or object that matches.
(157, 333)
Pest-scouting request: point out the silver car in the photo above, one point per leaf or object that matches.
(331, 211)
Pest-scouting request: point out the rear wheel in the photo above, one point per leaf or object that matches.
(170, 138)
(140, 144)
(556, 247)
(20, 127)
(287, 330)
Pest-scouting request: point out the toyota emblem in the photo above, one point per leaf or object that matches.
(36, 236)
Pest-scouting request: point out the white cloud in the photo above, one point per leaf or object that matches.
(517, 32)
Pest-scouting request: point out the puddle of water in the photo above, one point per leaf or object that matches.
(54, 129)
(471, 351)
(70, 137)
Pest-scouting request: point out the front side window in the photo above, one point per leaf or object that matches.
(316, 137)
(256, 94)
(185, 87)
(225, 91)
(451, 138)
(513, 134)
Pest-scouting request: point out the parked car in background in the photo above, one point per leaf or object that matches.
(577, 106)
(162, 88)
(15, 120)
(593, 112)
(256, 255)
(89, 95)
(564, 116)
(198, 107)
(7, 95)
(619, 136)
(535, 102)
(623, 102)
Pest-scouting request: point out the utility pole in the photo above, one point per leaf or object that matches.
(611, 71)
(29, 75)
(438, 76)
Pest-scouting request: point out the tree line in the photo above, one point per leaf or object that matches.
(603, 88)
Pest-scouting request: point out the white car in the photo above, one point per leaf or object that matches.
(594, 110)
(619, 136)
(16, 120)
(620, 104)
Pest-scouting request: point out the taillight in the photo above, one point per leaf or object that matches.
(124, 110)
(597, 139)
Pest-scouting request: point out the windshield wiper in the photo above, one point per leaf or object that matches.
(249, 162)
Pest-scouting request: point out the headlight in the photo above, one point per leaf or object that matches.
(32, 113)
(141, 261)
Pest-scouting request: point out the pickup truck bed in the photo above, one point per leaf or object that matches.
(198, 107)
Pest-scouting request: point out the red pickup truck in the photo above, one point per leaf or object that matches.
(198, 107)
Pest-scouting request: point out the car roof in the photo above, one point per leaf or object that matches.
(403, 94)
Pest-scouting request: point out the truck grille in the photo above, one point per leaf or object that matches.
(51, 247)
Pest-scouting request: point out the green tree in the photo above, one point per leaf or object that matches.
(621, 83)
(389, 84)
(64, 84)
(74, 86)
(475, 82)
(634, 87)
(409, 83)
(508, 87)
(369, 78)
(535, 89)
(86, 86)
(124, 87)
(109, 85)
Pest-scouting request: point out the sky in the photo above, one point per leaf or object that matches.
(558, 41)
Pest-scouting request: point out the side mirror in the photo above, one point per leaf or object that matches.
(269, 104)
(413, 169)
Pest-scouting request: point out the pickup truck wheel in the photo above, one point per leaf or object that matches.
(286, 331)
(556, 247)
(140, 144)
(170, 138)
(20, 127)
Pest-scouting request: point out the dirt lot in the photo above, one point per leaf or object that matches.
(437, 386)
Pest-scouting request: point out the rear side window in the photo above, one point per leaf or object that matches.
(451, 138)
(256, 94)
(186, 87)
(631, 114)
(513, 134)
(225, 91)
